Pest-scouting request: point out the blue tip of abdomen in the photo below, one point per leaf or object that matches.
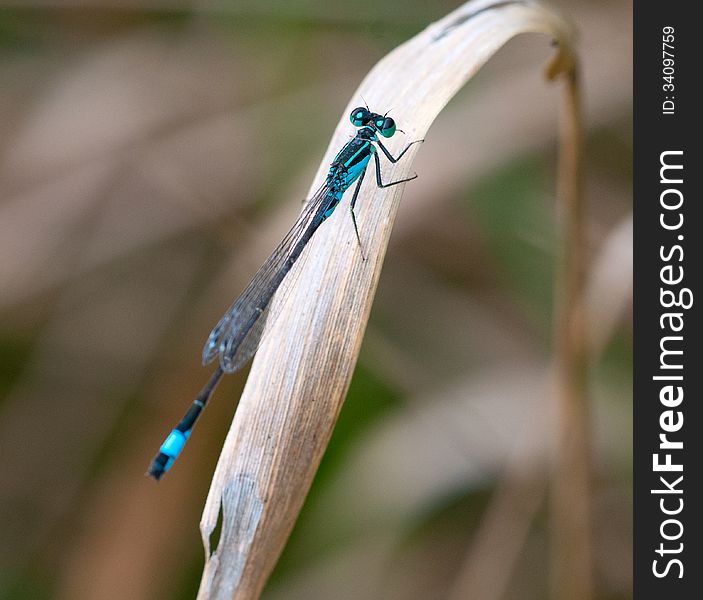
(174, 443)
(168, 453)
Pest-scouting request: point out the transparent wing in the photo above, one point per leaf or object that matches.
(236, 337)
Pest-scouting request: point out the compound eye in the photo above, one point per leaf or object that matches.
(359, 116)
(386, 126)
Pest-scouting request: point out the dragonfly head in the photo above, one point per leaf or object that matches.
(363, 117)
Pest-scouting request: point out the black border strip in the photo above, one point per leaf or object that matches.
(668, 363)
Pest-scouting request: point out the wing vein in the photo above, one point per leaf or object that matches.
(236, 336)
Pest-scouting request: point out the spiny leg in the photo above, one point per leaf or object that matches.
(380, 183)
(389, 156)
(353, 216)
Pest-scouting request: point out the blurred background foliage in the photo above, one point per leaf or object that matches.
(152, 152)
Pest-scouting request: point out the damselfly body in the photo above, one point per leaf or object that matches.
(234, 340)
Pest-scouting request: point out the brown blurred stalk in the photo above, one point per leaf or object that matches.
(571, 543)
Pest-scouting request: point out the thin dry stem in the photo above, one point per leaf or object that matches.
(571, 548)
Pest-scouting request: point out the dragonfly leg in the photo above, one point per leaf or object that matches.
(353, 216)
(380, 183)
(389, 156)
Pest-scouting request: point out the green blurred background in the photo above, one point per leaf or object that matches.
(152, 152)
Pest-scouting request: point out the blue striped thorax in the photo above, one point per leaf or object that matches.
(352, 159)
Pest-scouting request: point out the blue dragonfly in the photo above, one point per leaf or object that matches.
(235, 339)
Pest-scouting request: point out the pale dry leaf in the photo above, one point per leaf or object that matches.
(302, 370)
